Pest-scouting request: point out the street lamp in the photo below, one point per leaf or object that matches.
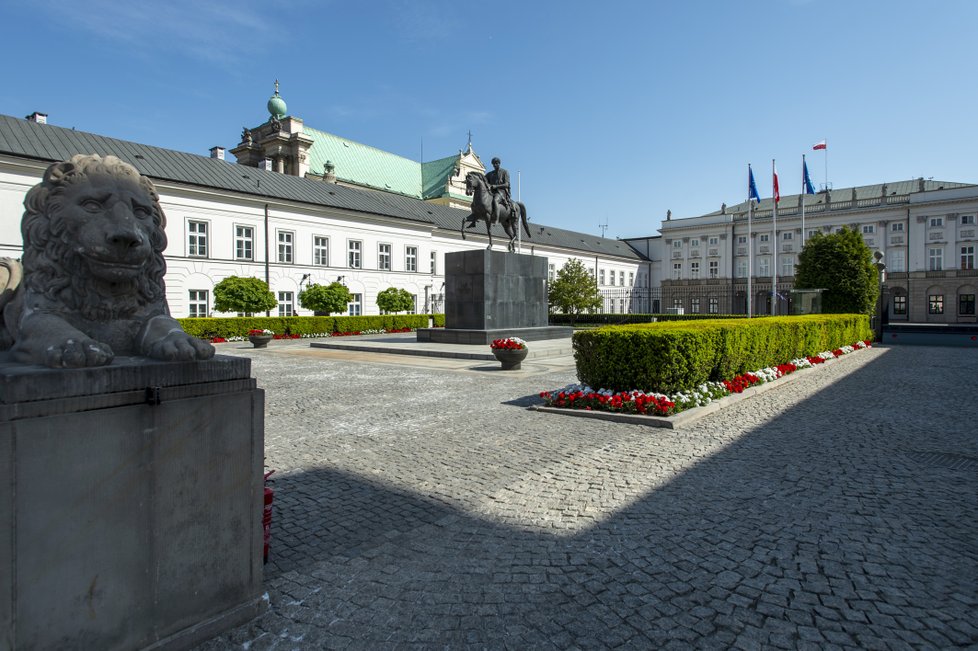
(881, 275)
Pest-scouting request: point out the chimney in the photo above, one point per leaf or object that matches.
(40, 118)
(265, 164)
(328, 172)
(217, 152)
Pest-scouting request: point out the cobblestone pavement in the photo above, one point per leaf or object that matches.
(422, 507)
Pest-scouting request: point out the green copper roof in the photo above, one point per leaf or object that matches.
(361, 164)
(435, 174)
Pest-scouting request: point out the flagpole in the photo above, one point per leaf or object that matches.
(774, 223)
(804, 191)
(750, 241)
(826, 159)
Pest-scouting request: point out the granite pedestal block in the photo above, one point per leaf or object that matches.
(130, 508)
(494, 294)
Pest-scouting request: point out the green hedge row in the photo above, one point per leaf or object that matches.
(669, 357)
(622, 319)
(210, 327)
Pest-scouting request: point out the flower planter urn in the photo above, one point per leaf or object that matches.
(510, 358)
(259, 341)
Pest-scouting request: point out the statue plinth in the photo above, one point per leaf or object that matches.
(493, 294)
(130, 504)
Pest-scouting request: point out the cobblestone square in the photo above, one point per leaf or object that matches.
(419, 505)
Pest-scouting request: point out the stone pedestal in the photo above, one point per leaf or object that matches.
(494, 294)
(130, 507)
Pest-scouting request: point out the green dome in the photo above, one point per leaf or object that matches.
(276, 106)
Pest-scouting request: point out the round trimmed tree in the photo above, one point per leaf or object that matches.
(842, 265)
(239, 294)
(392, 300)
(325, 299)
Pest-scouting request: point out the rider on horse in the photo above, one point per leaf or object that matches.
(498, 180)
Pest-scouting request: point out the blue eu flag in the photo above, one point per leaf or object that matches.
(809, 188)
(751, 186)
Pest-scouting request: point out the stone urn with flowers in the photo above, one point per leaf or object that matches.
(510, 352)
(260, 338)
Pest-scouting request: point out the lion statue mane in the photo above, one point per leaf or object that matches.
(92, 277)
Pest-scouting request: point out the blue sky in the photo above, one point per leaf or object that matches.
(612, 112)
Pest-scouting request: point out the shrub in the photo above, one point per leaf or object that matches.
(330, 298)
(238, 294)
(678, 356)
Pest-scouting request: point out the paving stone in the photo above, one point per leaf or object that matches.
(422, 506)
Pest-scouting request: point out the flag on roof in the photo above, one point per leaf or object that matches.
(819, 145)
(751, 186)
(806, 180)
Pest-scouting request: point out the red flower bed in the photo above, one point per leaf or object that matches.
(741, 382)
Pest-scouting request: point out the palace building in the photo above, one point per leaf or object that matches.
(301, 206)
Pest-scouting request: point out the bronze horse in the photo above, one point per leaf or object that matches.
(486, 208)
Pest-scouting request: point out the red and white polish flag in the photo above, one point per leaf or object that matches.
(819, 145)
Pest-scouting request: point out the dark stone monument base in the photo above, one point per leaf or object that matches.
(492, 290)
(485, 337)
(130, 503)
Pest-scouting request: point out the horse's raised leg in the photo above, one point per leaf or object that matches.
(489, 233)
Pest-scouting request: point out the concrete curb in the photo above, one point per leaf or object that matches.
(689, 416)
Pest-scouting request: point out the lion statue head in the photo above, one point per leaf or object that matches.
(94, 237)
(93, 270)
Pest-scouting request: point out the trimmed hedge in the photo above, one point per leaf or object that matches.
(669, 357)
(622, 319)
(238, 326)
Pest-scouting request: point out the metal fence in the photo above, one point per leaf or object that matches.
(695, 299)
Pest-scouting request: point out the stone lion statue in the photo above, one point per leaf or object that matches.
(92, 277)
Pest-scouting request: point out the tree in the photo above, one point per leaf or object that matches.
(842, 265)
(248, 295)
(574, 290)
(393, 299)
(330, 298)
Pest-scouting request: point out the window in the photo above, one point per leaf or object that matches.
(694, 305)
(611, 277)
(244, 243)
(966, 304)
(900, 304)
(411, 258)
(198, 302)
(763, 267)
(896, 227)
(741, 239)
(354, 248)
(693, 243)
(765, 237)
(714, 306)
(384, 257)
(621, 278)
(714, 241)
(813, 232)
(787, 236)
(631, 278)
(552, 272)
(601, 277)
(896, 261)
(434, 263)
(356, 305)
(868, 229)
(741, 268)
(714, 269)
(935, 259)
(677, 270)
(285, 240)
(286, 307)
(320, 251)
(694, 270)
(788, 266)
(414, 304)
(935, 304)
(967, 219)
(677, 244)
(967, 257)
(197, 239)
(936, 222)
